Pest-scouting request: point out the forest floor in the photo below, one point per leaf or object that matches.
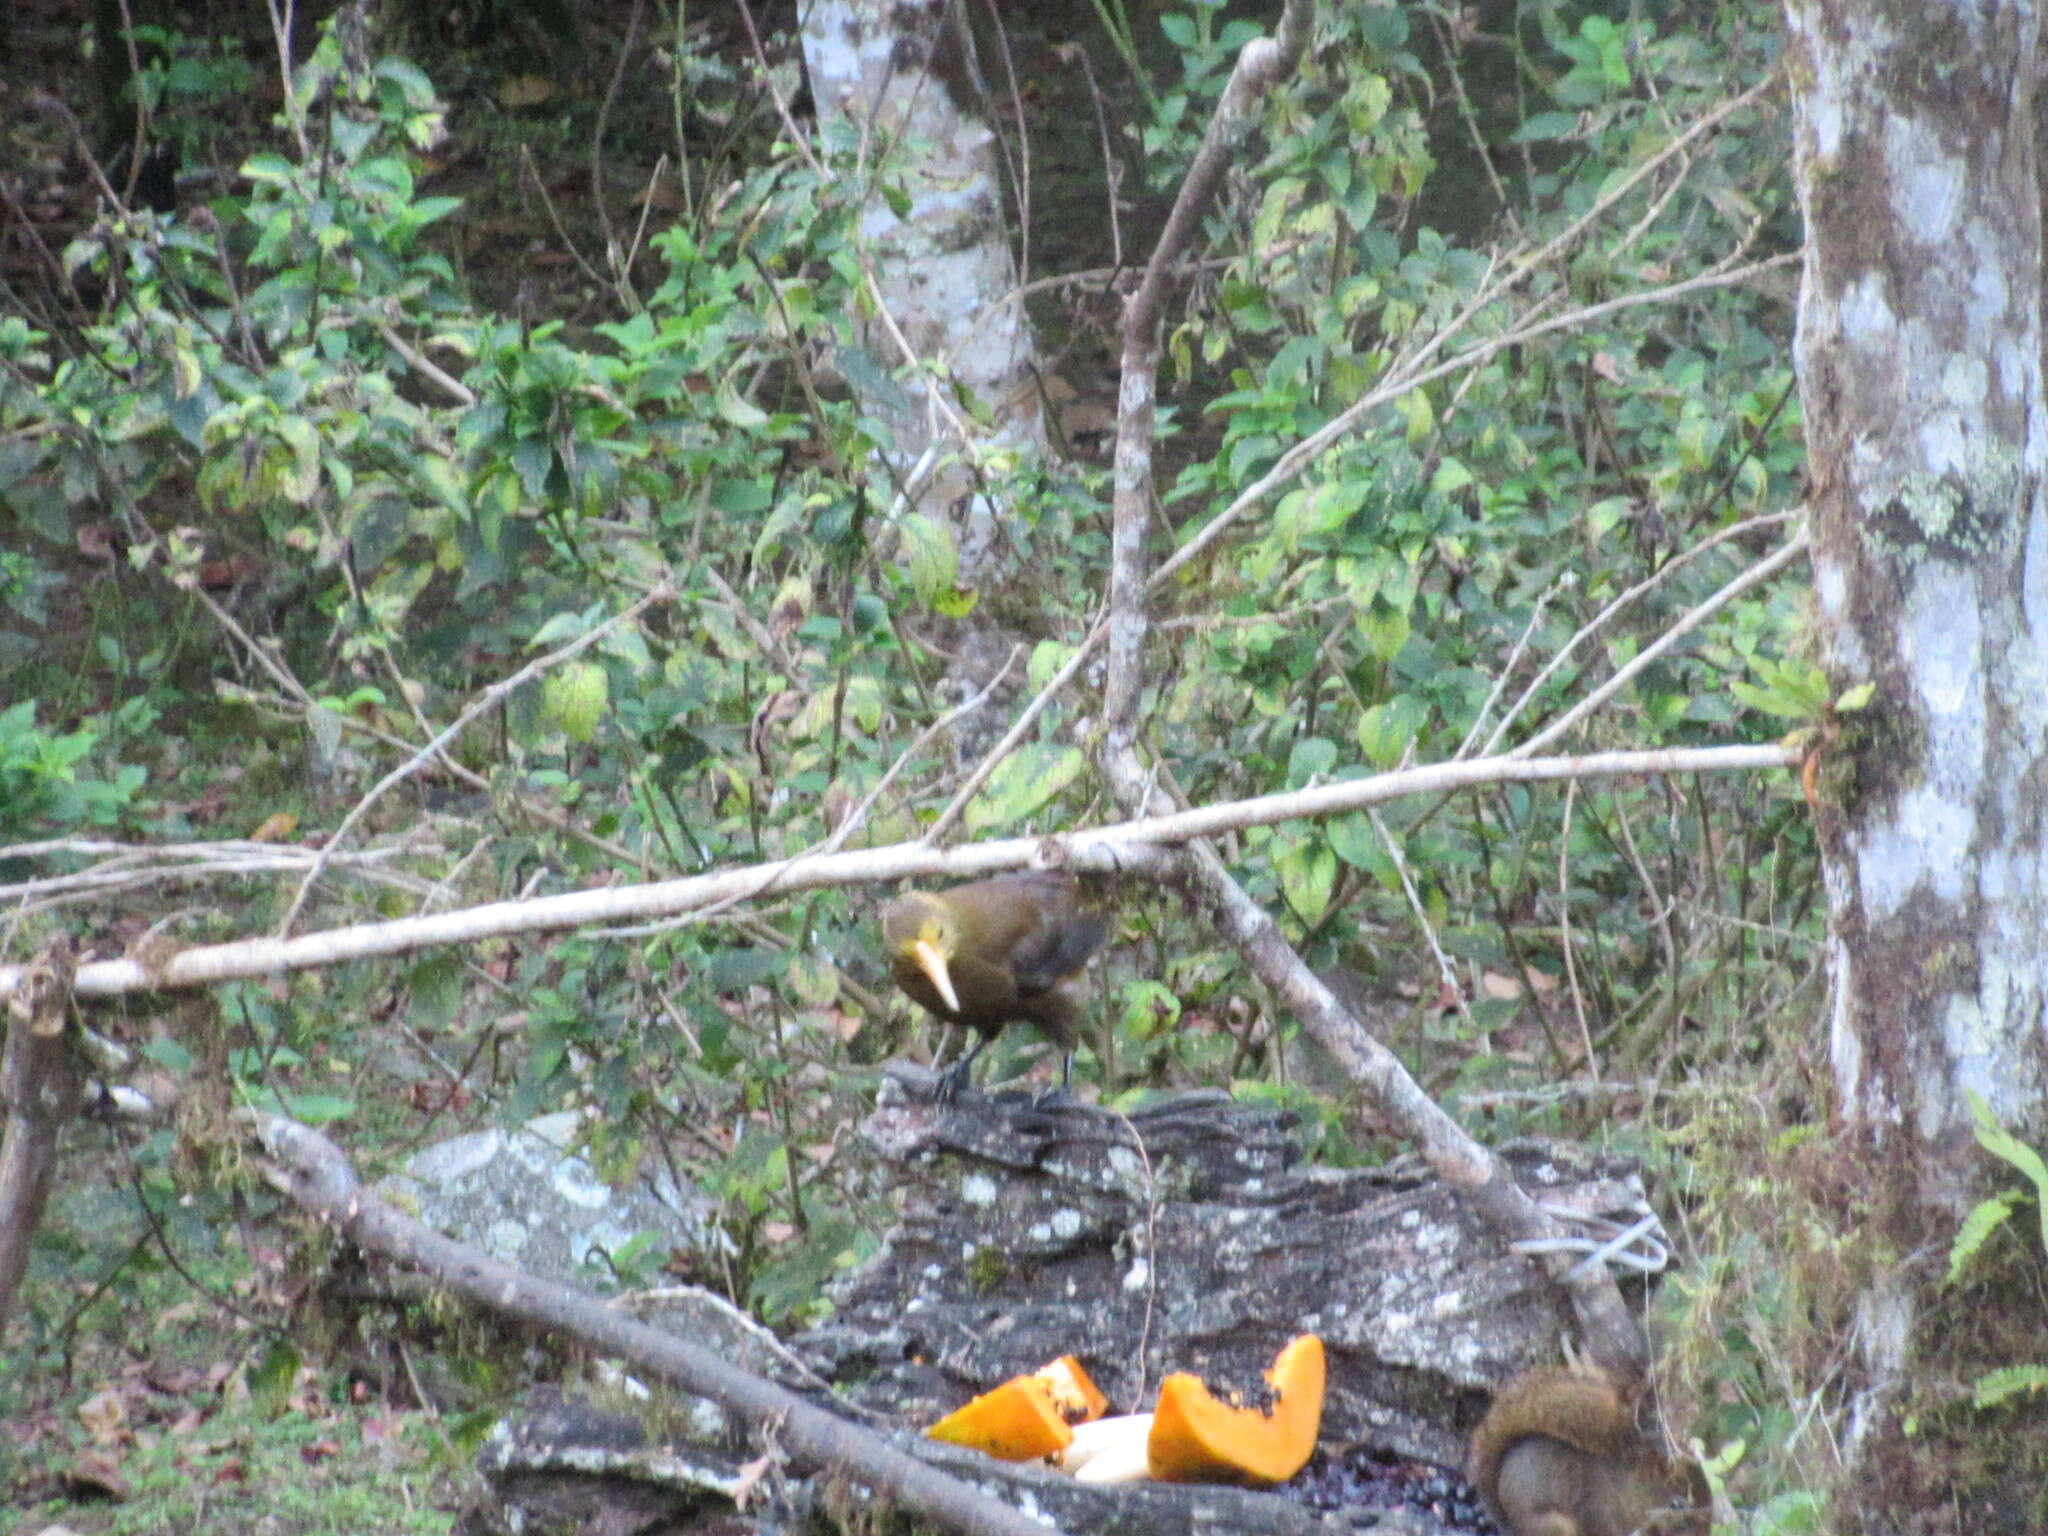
(192, 1364)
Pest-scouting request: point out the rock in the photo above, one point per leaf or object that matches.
(523, 1196)
(1187, 1236)
(564, 1467)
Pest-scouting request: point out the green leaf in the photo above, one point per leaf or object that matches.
(1789, 1514)
(304, 478)
(308, 1108)
(930, 556)
(1605, 516)
(734, 970)
(1856, 698)
(434, 986)
(437, 477)
(1047, 657)
(1977, 1227)
(1416, 412)
(1386, 731)
(1023, 783)
(1450, 476)
(1386, 629)
(274, 170)
(1308, 876)
(2001, 1143)
(787, 516)
(558, 629)
(1546, 125)
(744, 414)
(573, 699)
(813, 979)
(1312, 757)
(2008, 1382)
(1358, 843)
(1769, 701)
(741, 496)
(1150, 1008)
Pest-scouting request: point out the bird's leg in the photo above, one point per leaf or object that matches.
(1047, 1098)
(956, 1081)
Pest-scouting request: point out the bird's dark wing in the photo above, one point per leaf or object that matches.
(1055, 950)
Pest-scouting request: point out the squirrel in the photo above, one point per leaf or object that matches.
(1559, 1454)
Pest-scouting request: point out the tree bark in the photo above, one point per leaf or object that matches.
(1919, 360)
(38, 1093)
(1919, 357)
(900, 81)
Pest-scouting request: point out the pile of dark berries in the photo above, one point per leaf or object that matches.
(1378, 1479)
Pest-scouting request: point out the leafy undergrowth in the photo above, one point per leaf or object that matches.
(228, 428)
(154, 1400)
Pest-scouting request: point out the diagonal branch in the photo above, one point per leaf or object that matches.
(1611, 1331)
(315, 1173)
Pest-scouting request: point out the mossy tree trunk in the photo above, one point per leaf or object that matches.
(1920, 371)
(896, 83)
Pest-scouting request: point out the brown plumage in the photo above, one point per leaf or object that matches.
(996, 952)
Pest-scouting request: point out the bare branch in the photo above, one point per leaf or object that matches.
(314, 1172)
(1599, 621)
(964, 796)
(1128, 847)
(1261, 64)
(425, 366)
(1762, 571)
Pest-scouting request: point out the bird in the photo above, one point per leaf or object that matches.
(996, 952)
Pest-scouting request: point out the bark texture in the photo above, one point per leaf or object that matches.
(39, 1092)
(898, 84)
(1919, 357)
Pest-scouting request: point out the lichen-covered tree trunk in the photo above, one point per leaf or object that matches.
(1919, 359)
(1920, 370)
(897, 81)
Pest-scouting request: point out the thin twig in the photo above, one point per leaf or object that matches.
(1564, 926)
(1599, 621)
(798, 139)
(1761, 572)
(1446, 972)
(614, 256)
(860, 812)
(1660, 909)
(994, 757)
(425, 367)
(1507, 670)
(281, 32)
(488, 700)
(547, 203)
